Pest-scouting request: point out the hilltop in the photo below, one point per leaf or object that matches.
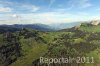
(95, 22)
(92, 26)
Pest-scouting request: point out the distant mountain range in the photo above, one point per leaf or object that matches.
(40, 27)
(59, 26)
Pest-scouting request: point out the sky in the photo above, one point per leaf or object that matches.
(48, 11)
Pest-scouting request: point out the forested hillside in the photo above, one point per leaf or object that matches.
(29, 45)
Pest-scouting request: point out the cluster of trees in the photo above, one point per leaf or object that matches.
(5, 28)
(9, 49)
(29, 33)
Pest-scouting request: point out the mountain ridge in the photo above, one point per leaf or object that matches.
(94, 25)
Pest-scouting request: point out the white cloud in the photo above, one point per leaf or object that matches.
(6, 3)
(5, 9)
(16, 16)
(30, 7)
(47, 18)
(57, 17)
(35, 8)
(18, 6)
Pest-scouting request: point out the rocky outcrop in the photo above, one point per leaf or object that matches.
(95, 22)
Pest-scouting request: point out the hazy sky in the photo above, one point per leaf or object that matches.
(48, 11)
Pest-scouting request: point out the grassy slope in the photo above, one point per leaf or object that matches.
(33, 50)
(32, 54)
(90, 28)
(95, 53)
(51, 35)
